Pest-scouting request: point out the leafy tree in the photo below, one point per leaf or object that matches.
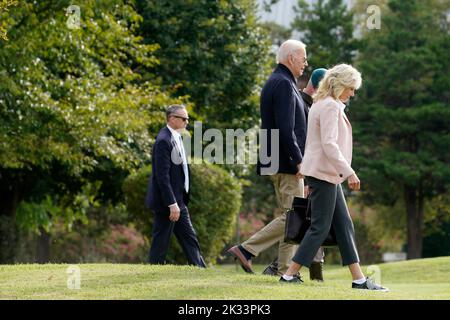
(401, 117)
(278, 33)
(326, 27)
(72, 103)
(4, 4)
(215, 51)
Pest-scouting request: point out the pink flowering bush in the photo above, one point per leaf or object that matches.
(249, 224)
(123, 244)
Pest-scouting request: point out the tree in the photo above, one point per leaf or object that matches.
(4, 7)
(278, 33)
(214, 51)
(326, 27)
(401, 117)
(72, 104)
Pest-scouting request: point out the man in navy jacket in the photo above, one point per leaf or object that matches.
(315, 270)
(168, 192)
(284, 116)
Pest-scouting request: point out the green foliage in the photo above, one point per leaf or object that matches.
(215, 51)
(74, 96)
(436, 240)
(401, 126)
(438, 243)
(4, 4)
(106, 236)
(67, 210)
(214, 204)
(278, 33)
(401, 117)
(74, 108)
(327, 30)
(134, 189)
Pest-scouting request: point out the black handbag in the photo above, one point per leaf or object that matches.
(298, 221)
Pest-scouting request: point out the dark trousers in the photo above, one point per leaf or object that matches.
(328, 208)
(186, 236)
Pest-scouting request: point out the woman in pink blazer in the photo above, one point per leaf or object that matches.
(326, 164)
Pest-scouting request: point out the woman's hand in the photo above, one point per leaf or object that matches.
(353, 182)
(306, 191)
(298, 174)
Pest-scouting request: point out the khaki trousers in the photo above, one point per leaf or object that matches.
(287, 186)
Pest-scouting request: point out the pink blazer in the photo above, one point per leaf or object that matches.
(329, 143)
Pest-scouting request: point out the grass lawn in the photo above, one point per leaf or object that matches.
(413, 279)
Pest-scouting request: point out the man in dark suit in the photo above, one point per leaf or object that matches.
(284, 113)
(168, 192)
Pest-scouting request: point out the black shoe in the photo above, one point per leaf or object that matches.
(369, 285)
(296, 279)
(272, 269)
(315, 271)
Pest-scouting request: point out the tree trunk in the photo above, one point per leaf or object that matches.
(43, 247)
(414, 206)
(9, 235)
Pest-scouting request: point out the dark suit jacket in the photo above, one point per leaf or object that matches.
(282, 108)
(307, 100)
(166, 184)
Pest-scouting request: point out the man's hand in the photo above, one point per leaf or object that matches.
(354, 183)
(298, 174)
(174, 212)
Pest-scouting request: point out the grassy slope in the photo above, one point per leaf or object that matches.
(414, 279)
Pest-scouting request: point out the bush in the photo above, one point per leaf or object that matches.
(123, 244)
(437, 243)
(214, 204)
(109, 236)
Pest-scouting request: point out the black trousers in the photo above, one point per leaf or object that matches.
(186, 236)
(328, 208)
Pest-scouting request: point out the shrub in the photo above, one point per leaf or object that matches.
(123, 244)
(437, 243)
(214, 204)
(109, 236)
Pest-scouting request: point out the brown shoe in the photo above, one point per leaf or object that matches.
(315, 271)
(245, 264)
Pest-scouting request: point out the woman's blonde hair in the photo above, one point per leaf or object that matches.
(336, 80)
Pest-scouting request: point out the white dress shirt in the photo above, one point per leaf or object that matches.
(179, 142)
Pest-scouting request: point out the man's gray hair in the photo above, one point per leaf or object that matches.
(172, 109)
(287, 48)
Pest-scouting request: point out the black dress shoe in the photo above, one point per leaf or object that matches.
(295, 279)
(369, 285)
(315, 271)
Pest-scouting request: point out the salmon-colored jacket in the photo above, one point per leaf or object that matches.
(329, 143)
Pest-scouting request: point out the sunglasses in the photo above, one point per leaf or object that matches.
(180, 117)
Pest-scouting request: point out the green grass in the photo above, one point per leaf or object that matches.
(414, 279)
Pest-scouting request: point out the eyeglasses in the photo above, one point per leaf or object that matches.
(303, 59)
(183, 118)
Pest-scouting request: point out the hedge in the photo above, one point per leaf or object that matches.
(215, 201)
